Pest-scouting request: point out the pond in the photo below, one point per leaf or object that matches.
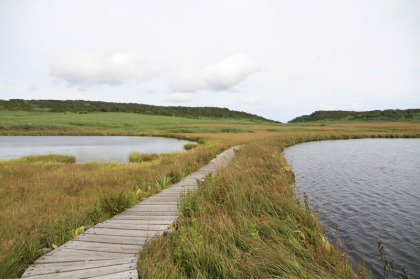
(87, 148)
(370, 189)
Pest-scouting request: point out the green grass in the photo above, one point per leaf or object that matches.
(193, 129)
(20, 120)
(52, 158)
(137, 157)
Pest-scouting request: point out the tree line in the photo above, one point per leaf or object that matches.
(80, 106)
(374, 115)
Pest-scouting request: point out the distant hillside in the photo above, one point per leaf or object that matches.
(94, 106)
(374, 115)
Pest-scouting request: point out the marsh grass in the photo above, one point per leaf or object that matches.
(52, 158)
(190, 146)
(389, 265)
(43, 203)
(246, 223)
(204, 129)
(115, 203)
(137, 157)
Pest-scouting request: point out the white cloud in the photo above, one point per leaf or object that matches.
(178, 97)
(339, 106)
(221, 76)
(88, 68)
(251, 100)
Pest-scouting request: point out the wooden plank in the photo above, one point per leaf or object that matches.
(162, 201)
(103, 247)
(156, 206)
(140, 222)
(147, 215)
(173, 196)
(140, 216)
(195, 177)
(130, 240)
(60, 255)
(191, 179)
(87, 273)
(145, 209)
(132, 227)
(183, 187)
(187, 183)
(153, 213)
(181, 190)
(168, 207)
(48, 268)
(120, 275)
(122, 232)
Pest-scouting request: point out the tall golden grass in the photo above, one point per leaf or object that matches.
(247, 223)
(42, 202)
(37, 195)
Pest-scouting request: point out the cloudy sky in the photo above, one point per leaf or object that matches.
(278, 59)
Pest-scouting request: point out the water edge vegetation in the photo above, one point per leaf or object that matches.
(236, 225)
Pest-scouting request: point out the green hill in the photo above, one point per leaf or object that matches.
(80, 106)
(360, 116)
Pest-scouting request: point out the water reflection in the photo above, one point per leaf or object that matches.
(87, 148)
(370, 188)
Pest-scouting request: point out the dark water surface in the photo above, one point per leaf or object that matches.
(87, 148)
(370, 188)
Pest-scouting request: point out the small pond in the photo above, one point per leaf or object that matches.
(87, 148)
(370, 189)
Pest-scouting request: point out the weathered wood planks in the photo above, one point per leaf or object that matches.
(110, 249)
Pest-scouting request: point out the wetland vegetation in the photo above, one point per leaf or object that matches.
(246, 222)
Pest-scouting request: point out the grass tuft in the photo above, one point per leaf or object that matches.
(51, 158)
(137, 157)
(190, 146)
(115, 203)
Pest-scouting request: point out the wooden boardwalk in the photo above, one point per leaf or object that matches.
(110, 249)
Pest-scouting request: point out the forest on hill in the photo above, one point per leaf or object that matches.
(374, 115)
(80, 106)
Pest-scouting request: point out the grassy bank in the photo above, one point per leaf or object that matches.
(44, 201)
(247, 223)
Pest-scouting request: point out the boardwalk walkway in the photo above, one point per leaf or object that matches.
(110, 249)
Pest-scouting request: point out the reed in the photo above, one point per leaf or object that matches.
(190, 146)
(246, 223)
(389, 265)
(137, 157)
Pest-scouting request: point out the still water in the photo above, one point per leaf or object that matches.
(87, 148)
(370, 188)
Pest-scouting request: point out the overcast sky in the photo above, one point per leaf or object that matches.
(278, 59)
